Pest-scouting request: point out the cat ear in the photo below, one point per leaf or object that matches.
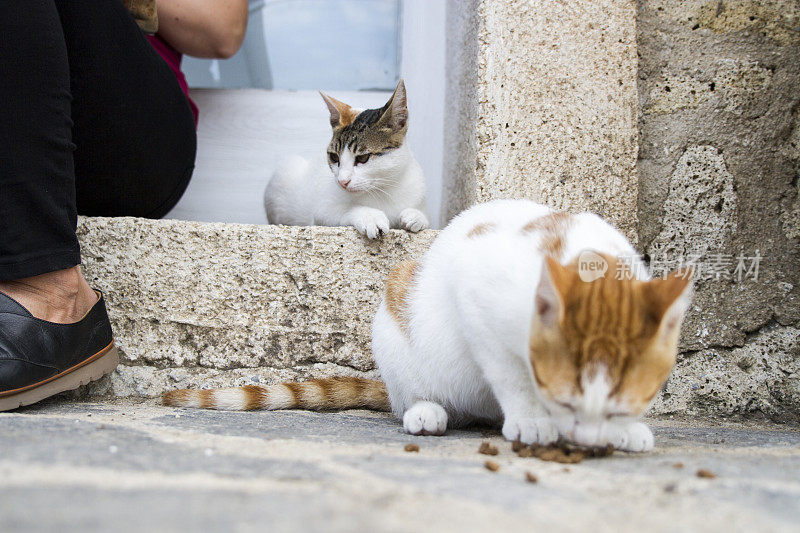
(395, 112)
(341, 113)
(668, 299)
(549, 302)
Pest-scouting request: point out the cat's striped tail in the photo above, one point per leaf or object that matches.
(317, 395)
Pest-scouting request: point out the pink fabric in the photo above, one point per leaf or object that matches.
(173, 59)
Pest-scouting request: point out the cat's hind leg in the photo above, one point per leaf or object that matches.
(286, 194)
(425, 418)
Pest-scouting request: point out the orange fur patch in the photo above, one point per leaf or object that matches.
(614, 323)
(400, 281)
(346, 113)
(255, 397)
(348, 116)
(553, 229)
(344, 392)
(481, 229)
(295, 389)
(176, 398)
(206, 398)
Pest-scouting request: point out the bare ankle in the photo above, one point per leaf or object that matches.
(62, 296)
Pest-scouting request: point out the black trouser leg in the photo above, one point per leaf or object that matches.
(37, 178)
(133, 130)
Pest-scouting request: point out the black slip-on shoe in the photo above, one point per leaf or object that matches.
(39, 359)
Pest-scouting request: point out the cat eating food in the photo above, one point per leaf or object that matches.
(541, 321)
(368, 179)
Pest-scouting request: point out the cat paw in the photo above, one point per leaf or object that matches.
(634, 437)
(539, 430)
(413, 220)
(425, 418)
(372, 223)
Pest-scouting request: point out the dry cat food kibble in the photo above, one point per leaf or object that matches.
(560, 452)
(525, 452)
(492, 465)
(708, 474)
(411, 448)
(677, 465)
(531, 478)
(488, 449)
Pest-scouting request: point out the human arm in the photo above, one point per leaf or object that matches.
(203, 28)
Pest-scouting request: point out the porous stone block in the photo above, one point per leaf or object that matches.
(196, 304)
(719, 166)
(762, 376)
(542, 104)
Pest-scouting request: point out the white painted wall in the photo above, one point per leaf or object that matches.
(338, 45)
(422, 66)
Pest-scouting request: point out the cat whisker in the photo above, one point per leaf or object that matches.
(376, 189)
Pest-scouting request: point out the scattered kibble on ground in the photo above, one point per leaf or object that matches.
(488, 449)
(560, 452)
(708, 474)
(411, 448)
(494, 466)
(531, 477)
(677, 465)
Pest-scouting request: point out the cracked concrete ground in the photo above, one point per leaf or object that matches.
(128, 466)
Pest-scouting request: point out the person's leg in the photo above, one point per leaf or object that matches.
(134, 129)
(38, 247)
(39, 281)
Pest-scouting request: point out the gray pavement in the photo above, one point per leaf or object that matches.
(134, 466)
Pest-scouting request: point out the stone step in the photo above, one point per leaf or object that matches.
(206, 304)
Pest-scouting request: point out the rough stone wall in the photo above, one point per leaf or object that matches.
(196, 304)
(541, 104)
(719, 86)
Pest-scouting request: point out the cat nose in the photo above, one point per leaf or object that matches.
(344, 183)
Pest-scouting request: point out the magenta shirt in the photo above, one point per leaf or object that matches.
(173, 59)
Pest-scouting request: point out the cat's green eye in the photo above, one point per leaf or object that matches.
(333, 157)
(363, 158)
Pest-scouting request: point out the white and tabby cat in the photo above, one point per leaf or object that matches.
(369, 178)
(496, 324)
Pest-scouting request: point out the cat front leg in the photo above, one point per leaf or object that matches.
(524, 417)
(425, 418)
(412, 220)
(627, 436)
(530, 429)
(367, 220)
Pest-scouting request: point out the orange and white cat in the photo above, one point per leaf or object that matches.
(501, 322)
